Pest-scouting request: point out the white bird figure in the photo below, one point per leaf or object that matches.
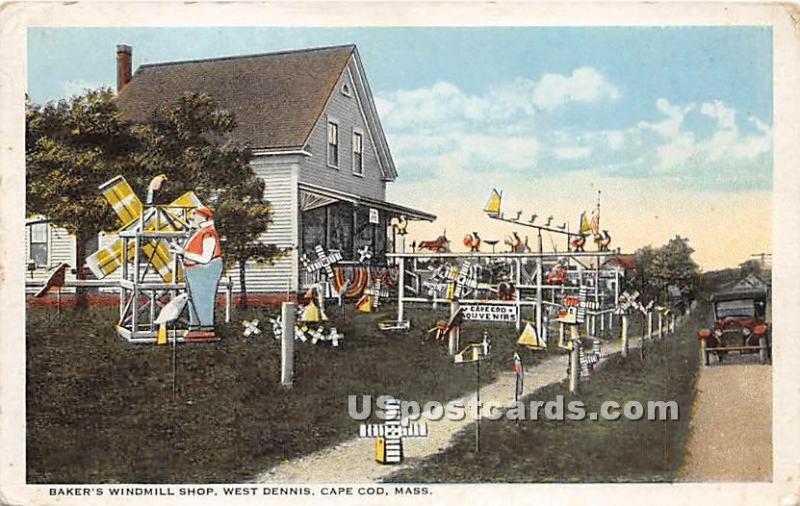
(169, 313)
(250, 328)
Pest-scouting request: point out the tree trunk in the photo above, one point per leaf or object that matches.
(242, 284)
(81, 293)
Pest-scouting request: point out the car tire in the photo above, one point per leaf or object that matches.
(763, 352)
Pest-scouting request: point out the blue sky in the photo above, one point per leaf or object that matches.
(687, 109)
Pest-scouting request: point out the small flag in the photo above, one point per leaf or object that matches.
(519, 374)
(585, 227)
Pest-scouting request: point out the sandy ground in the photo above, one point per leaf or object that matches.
(731, 426)
(353, 460)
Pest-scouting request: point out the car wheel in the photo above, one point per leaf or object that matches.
(763, 352)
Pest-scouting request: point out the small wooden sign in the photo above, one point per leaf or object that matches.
(489, 312)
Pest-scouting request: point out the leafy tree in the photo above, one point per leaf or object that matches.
(641, 277)
(750, 267)
(71, 147)
(75, 145)
(673, 265)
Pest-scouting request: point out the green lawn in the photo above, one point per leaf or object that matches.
(100, 410)
(585, 451)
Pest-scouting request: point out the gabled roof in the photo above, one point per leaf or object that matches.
(276, 98)
(627, 262)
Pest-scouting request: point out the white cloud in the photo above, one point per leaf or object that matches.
(615, 139)
(584, 85)
(726, 117)
(574, 153)
(671, 125)
(683, 150)
(79, 87)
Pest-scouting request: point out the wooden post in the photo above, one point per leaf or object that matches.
(401, 287)
(649, 325)
(574, 365)
(228, 300)
(287, 343)
(478, 400)
(518, 296)
(624, 335)
(539, 306)
(560, 334)
(454, 334)
(660, 325)
(545, 324)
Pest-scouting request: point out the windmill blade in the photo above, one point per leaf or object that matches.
(122, 199)
(108, 259)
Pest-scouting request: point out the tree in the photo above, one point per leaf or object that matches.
(641, 278)
(190, 142)
(71, 147)
(673, 265)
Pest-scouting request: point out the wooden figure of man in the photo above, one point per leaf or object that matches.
(202, 262)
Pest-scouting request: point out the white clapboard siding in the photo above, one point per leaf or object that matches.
(60, 248)
(279, 174)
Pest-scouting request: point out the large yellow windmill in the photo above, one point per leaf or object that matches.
(140, 247)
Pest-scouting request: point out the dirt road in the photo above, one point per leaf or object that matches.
(731, 426)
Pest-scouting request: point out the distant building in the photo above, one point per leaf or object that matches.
(751, 282)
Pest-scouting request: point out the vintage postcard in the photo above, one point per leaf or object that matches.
(399, 253)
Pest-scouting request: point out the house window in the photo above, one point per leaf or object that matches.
(38, 244)
(346, 90)
(358, 153)
(333, 144)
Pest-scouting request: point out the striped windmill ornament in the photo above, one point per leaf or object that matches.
(389, 435)
(133, 215)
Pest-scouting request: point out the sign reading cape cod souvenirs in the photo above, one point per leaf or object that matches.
(490, 312)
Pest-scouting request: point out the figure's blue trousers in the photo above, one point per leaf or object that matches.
(202, 281)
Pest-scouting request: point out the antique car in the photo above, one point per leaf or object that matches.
(739, 324)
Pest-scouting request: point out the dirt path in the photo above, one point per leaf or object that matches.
(731, 426)
(352, 461)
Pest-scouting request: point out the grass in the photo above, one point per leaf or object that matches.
(585, 451)
(100, 410)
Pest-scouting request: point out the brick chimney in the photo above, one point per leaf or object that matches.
(124, 65)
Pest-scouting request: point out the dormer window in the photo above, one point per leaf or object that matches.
(333, 143)
(346, 90)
